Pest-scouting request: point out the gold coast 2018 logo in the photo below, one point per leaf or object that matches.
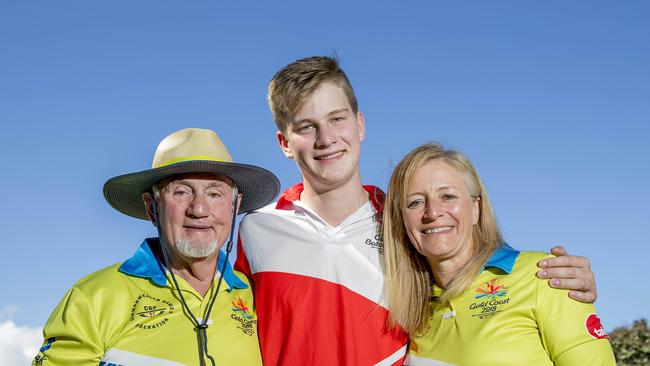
(493, 296)
(242, 314)
(150, 312)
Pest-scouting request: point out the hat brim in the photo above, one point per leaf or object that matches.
(257, 185)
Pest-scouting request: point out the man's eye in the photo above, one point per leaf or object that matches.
(180, 193)
(215, 194)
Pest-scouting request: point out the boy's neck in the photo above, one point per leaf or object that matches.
(336, 204)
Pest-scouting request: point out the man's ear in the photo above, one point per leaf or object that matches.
(147, 198)
(284, 145)
(239, 196)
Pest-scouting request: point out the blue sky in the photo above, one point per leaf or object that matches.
(551, 100)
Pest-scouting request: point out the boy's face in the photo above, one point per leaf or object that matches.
(324, 138)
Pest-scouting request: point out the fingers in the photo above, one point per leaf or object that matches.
(570, 273)
(581, 289)
(559, 250)
(565, 261)
(579, 280)
(587, 297)
(560, 273)
(574, 284)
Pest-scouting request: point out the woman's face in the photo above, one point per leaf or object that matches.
(439, 213)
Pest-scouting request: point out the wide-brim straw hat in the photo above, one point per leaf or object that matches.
(191, 150)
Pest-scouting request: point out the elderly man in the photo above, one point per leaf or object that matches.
(177, 301)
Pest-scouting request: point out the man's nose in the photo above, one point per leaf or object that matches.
(199, 206)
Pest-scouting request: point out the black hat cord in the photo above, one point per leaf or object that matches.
(200, 327)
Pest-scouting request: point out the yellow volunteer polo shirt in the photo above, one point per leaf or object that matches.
(131, 315)
(510, 317)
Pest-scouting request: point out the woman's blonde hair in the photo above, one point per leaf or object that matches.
(408, 277)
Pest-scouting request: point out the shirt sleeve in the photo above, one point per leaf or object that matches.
(71, 335)
(571, 332)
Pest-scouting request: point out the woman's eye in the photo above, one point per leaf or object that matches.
(414, 204)
(449, 196)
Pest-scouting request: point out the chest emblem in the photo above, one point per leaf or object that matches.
(377, 243)
(491, 290)
(493, 297)
(149, 312)
(239, 306)
(243, 316)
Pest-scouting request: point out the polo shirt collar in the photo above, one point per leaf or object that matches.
(503, 258)
(285, 202)
(144, 264)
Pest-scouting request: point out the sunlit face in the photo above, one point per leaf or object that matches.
(195, 213)
(324, 138)
(439, 213)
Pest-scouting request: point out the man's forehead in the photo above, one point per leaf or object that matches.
(199, 179)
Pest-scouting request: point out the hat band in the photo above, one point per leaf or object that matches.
(189, 158)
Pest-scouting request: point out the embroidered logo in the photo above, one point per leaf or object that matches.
(40, 357)
(595, 328)
(493, 296)
(150, 312)
(376, 243)
(242, 314)
(240, 306)
(492, 290)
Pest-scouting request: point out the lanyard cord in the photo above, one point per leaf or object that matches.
(201, 328)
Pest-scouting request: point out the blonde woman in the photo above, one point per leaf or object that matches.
(465, 296)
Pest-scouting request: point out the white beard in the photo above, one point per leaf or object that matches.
(196, 248)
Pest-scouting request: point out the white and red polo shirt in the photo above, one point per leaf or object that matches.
(318, 288)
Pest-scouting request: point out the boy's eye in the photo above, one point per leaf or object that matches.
(305, 128)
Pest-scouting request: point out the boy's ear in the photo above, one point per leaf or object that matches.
(284, 145)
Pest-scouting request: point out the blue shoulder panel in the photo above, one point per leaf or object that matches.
(144, 264)
(503, 258)
(229, 275)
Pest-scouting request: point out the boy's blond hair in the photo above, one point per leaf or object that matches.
(296, 82)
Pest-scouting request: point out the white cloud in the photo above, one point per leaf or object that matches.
(18, 345)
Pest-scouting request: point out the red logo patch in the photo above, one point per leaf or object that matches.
(595, 328)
